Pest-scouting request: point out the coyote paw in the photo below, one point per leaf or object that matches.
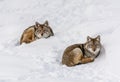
(92, 58)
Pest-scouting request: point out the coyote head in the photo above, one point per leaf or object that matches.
(93, 45)
(43, 30)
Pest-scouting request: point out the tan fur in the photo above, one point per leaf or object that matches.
(74, 54)
(28, 35)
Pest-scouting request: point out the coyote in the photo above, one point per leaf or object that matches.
(36, 31)
(82, 53)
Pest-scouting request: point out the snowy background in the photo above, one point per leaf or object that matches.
(72, 21)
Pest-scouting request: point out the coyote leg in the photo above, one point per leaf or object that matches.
(86, 60)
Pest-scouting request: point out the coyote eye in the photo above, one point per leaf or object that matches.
(97, 45)
(90, 46)
(45, 30)
(39, 30)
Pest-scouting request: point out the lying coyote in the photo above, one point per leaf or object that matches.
(36, 31)
(82, 53)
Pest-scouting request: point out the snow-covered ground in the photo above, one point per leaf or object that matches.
(72, 21)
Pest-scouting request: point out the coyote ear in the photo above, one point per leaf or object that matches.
(88, 38)
(46, 23)
(98, 38)
(37, 24)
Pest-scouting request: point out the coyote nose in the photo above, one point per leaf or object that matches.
(42, 34)
(94, 49)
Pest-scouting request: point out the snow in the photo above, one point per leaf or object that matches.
(72, 21)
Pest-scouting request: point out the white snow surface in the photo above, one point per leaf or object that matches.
(72, 21)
